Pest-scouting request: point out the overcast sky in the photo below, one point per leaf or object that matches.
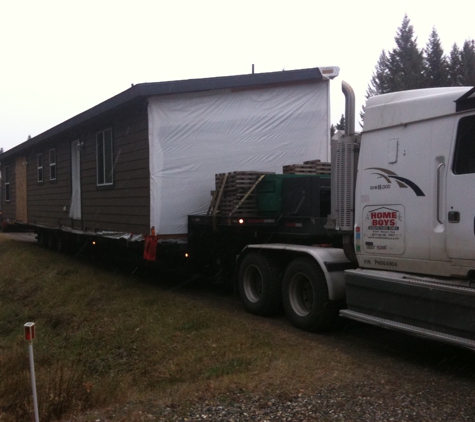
(59, 58)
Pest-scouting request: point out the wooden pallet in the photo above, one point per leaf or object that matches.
(324, 170)
(231, 199)
(238, 195)
(239, 179)
(314, 167)
(299, 169)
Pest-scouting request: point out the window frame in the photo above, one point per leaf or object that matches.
(6, 184)
(52, 165)
(104, 158)
(464, 147)
(40, 168)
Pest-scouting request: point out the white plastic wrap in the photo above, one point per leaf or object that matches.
(194, 136)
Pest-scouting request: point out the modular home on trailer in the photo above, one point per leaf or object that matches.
(148, 156)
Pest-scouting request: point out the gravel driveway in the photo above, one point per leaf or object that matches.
(397, 378)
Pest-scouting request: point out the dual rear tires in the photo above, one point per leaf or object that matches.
(301, 290)
(259, 284)
(305, 296)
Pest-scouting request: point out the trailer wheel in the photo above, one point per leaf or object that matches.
(51, 241)
(39, 237)
(3, 226)
(61, 243)
(259, 282)
(42, 238)
(305, 296)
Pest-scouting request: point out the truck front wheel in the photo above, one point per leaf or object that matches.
(259, 282)
(305, 296)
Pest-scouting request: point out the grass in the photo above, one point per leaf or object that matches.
(106, 337)
(110, 338)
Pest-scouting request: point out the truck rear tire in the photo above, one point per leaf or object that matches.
(260, 287)
(305, 296)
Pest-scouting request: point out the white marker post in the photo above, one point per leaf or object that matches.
(29, 337)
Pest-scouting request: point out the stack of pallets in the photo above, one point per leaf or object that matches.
(308, 167)
(236, 193)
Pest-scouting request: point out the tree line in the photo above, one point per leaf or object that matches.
(407, 66)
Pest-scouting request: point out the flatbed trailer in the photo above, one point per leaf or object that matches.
(388, 239)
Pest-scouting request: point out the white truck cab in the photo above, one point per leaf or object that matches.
(403, 204)
(414, 196)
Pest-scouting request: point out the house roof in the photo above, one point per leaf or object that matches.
(145, 90)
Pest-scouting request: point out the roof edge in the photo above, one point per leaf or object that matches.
(148, 89)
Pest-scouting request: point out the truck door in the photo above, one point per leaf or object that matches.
(460, 220)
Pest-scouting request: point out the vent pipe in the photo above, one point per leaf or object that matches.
(349, 108)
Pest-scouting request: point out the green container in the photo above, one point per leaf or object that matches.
(269, 197)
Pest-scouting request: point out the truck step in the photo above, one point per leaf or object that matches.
(411, 329)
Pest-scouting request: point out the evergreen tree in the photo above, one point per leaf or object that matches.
(400, 69)
(379, 83)
(406, 67)
(462, 64)
(467, 56)
(380, 79)
(436, 71)
(406, 63)
(455, 66)
(339, 126)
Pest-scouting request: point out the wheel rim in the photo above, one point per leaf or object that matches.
(253, 283)
(301, 294)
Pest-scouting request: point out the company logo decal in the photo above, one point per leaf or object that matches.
(383, 230)
(383, 219)
(389, 176)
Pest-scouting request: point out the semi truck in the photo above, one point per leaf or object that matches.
(388, 239)
(398, 248)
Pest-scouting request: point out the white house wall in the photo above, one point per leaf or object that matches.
(194, 136)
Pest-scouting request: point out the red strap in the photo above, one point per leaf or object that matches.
(150, 249)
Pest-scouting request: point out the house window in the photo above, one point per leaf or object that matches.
(7, 183)
(52, 164)
(39, 161)
(105, 170)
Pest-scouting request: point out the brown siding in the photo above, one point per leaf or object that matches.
(47, 200)
(21, 189)
(9, 207)
(124, 206)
